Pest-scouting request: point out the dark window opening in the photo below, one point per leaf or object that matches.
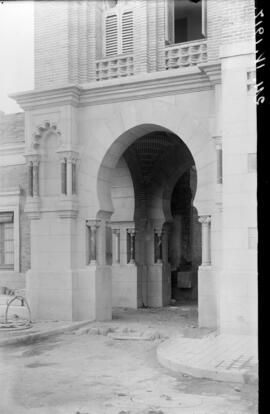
(189, 20)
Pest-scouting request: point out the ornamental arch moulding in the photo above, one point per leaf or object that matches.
(41, 131)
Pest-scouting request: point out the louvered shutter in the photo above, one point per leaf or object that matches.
(169, 21)
(127, 32)
(111, 35)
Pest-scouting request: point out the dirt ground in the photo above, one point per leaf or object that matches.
(91, 373)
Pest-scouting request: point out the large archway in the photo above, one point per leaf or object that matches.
(136, 185)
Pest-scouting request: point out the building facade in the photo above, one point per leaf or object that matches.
(135, 161)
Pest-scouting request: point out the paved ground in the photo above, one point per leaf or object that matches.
(84, 373)
(220, 357)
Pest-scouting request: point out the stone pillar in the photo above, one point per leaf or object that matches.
(33, 160)
(131, 252)
(158, 246)
(36, 178)
(30, 180)
(206, 248)
(116, 246)
(218, 145)
(64, 176)
(69, 176)
(92, 241)
(68, 159)
(74, 177)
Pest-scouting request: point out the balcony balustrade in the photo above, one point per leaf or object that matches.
(185, 54)
(114, 67)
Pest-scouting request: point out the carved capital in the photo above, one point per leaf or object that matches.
(159, 231)
(69, 154)
(217, 139)
(93, 224)
(204, 220)
(33, 158)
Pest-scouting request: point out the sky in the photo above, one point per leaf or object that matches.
(16, 51)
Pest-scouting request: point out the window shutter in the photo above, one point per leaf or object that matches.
(111, 35)
(204, 18)
(127, 32)
(169, 21)
(9, 245)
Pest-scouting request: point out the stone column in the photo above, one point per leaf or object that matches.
(92, 241)
(158, 245)
(218, 145)
(206, 249)
(131, 252)
(63, 176)
(116, 246)
(69, 176)
(36, 178)
(165, 245)
(30, 179)
(68, 159)
(74, 177)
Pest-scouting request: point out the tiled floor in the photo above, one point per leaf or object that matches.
(224, 357)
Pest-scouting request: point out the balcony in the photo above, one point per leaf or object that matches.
(114, 67)
(187, 54)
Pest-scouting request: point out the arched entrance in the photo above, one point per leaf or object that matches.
(142, 188)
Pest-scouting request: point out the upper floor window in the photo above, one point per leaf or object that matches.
(112, 3)
(6, 241)
(118, 29)
(185, 20)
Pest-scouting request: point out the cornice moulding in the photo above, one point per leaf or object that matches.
(12, 192)
(143, 86)
(11, 149)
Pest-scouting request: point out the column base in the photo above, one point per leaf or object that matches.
(159, 285)
(125, 285)
(239, 302)
(75, 295)
(207, 297)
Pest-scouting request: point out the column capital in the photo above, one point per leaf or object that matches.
(70, 155)
(159, 231)
(205, 219)
(33, 158)
(131, 231)
(93, 223)
(116, 231)
(217, 139)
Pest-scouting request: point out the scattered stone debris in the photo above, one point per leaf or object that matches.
(166, 397)
(123, 333)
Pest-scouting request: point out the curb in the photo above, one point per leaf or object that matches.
(31, 338)
(168, 362)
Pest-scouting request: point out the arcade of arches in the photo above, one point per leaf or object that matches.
(153, 239)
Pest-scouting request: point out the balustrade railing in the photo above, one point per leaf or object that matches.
(185, 54)
(114, 67)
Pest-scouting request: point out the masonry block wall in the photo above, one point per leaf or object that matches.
(14, 178)
(68, 36)
(228, 21)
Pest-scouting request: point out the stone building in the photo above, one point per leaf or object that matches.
(133, 166)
